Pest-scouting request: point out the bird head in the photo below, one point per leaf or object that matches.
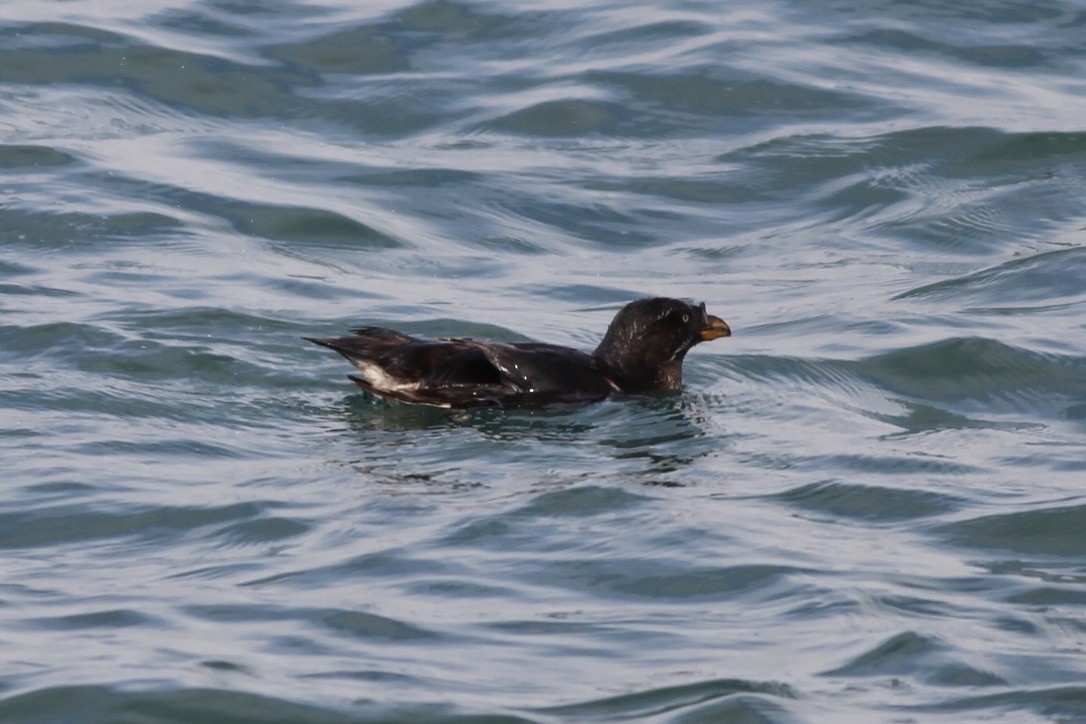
(648, 339)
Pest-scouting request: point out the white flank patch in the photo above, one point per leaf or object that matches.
(382, 380)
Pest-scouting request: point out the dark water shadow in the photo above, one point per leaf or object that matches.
(107, 703)
(647, 439)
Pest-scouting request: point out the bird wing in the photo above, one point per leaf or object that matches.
(391, 360)
(467, 372)
(547, 369)
(382, 334)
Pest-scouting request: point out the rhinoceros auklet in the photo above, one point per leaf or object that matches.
(642, 352)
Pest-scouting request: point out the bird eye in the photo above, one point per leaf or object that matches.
(686, 318)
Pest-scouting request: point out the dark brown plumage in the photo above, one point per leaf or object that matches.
(642, 352)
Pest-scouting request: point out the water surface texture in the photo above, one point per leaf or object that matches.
(867, 505)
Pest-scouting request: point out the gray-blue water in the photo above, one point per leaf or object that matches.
(869, 504)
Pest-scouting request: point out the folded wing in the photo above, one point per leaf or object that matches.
(467, 372)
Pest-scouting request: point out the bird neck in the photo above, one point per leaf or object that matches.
(640, 376)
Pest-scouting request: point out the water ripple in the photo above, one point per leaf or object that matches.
(866, 505)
